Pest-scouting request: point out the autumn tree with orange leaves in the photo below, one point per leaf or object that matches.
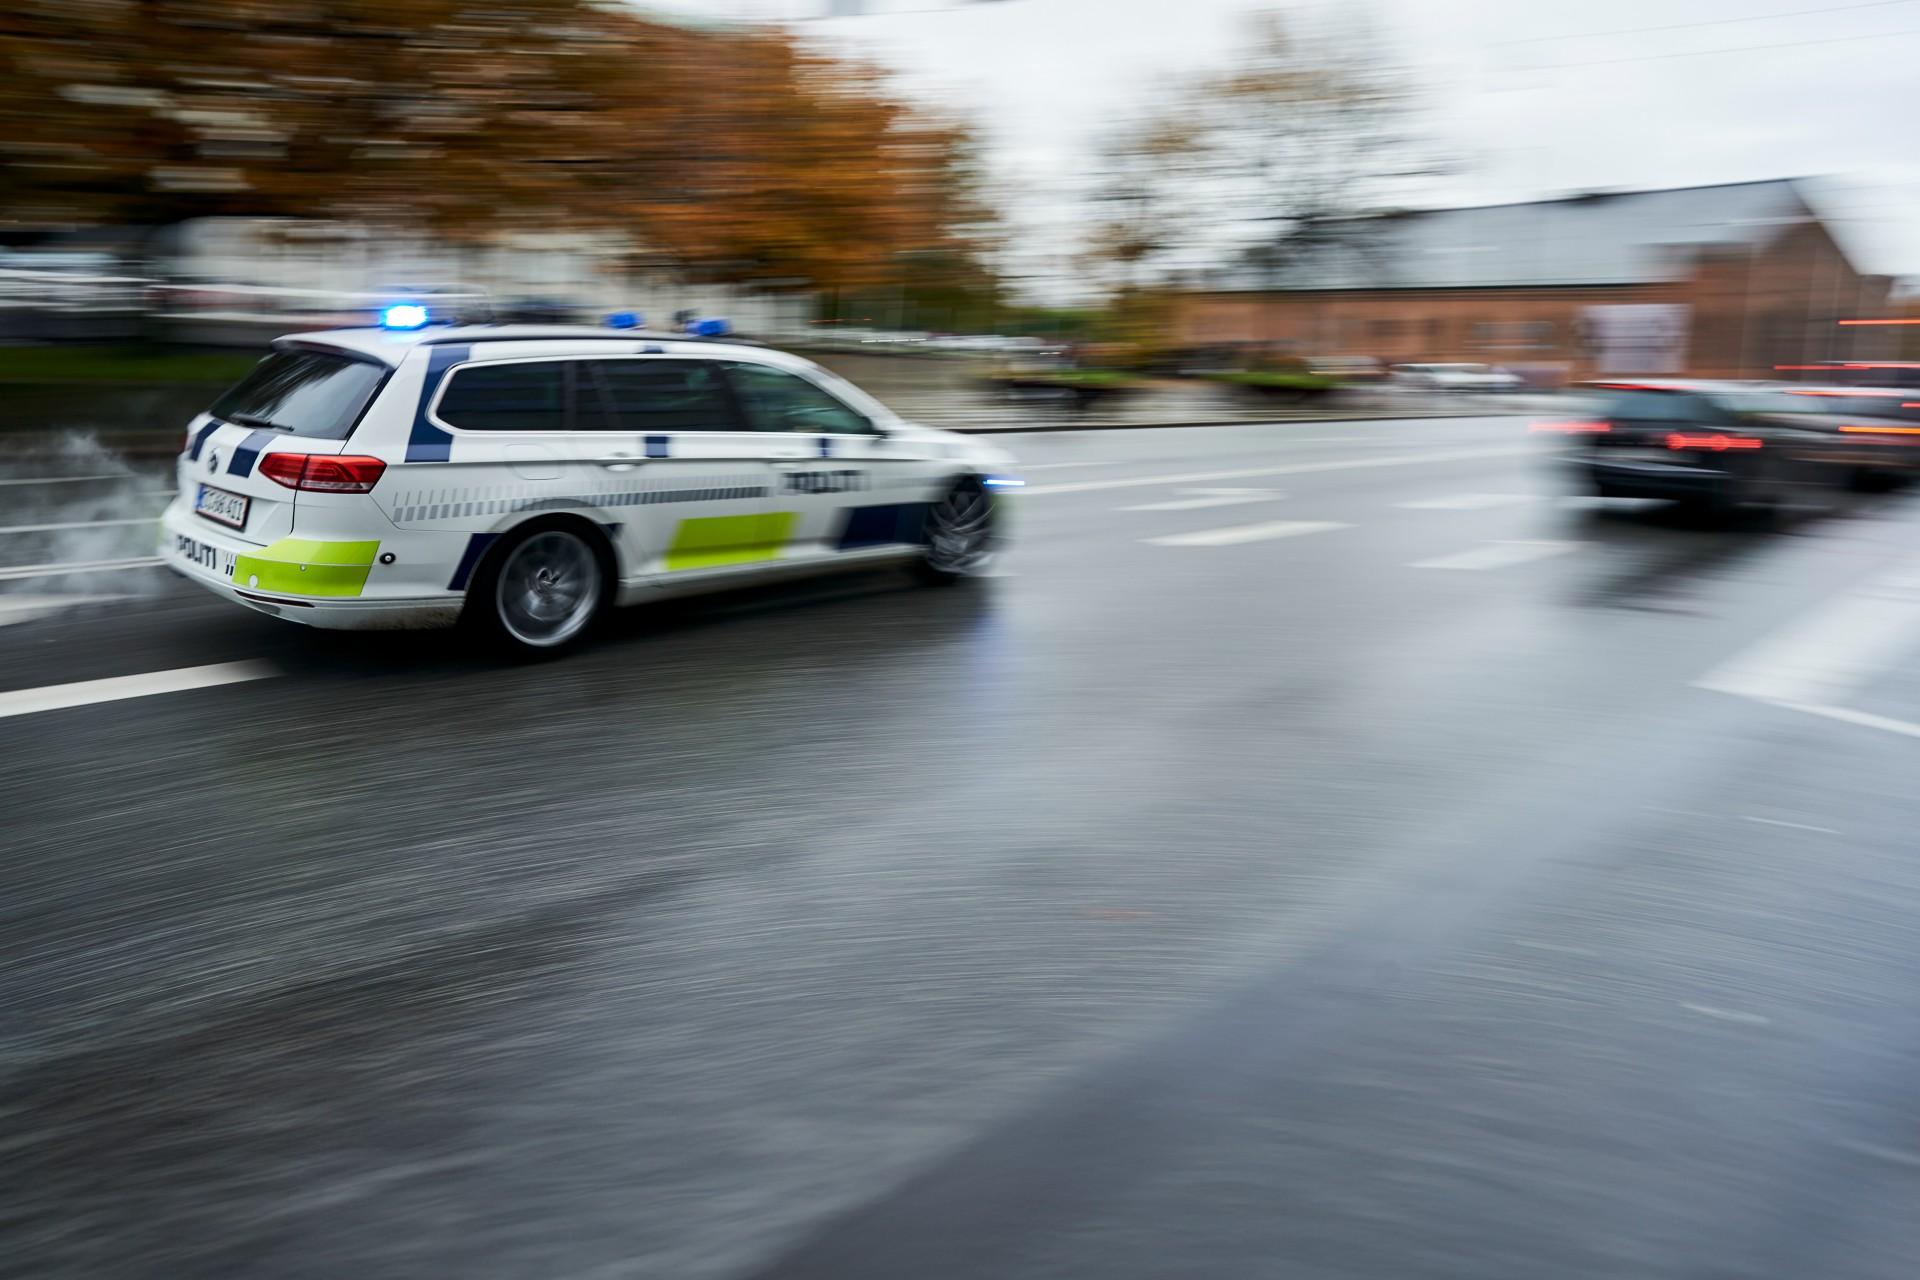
(729, 154)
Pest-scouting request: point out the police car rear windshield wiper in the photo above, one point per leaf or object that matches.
(255, 420)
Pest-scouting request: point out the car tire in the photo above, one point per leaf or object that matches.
(959, 540)
(541, 588)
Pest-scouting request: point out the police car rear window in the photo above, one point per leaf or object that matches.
(302, 393)
(524, 396)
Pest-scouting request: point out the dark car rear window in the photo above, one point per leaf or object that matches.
(1651, 406)
(303, 393)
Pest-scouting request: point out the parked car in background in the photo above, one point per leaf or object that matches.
(1453, 377)
(1361, 370)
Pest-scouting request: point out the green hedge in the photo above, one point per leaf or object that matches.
(1267, 381)
(149, 366)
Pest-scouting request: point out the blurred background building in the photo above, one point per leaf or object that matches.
(1720, 281)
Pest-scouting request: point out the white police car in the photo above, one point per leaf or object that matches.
(522, 478)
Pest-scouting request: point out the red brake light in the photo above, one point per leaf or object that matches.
(346, 474)
(1572, 428)
(323, 473)
(284, 468)
(1716, 442)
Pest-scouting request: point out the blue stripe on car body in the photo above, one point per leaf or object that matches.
(470, 559)
(246, 451)
(888, 524)
(200, 438)
(427, 442)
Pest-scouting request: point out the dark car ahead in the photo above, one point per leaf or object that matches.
(1878, 429)
(1718, 446)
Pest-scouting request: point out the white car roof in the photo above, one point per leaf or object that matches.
(390, 346)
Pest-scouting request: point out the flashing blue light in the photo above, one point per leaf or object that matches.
(1004, 482)
(625, 320)
(715, 328)
(404, 315)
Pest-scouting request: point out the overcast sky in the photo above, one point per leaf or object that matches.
(1535, 99)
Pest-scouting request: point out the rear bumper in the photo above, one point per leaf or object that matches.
(1653, 479)
(317, 583)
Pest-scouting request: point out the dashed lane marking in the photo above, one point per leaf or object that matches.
(1498, 555)
(1812, 664)
(1791, 826)
(1237, 534)
(1825, 655)
(1470, 502)
(121, 475)
(27, 608)
(77, 524)
(17, 572)
(1728, 1015)
(1284, 469)
(56, 697)
(1865, 719)
(1210, 498)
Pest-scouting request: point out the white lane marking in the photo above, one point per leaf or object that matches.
(1558, 947)
(1728, 1015)
(1210, 498)
(1245, 533)
(1865, 719)
(1469, 502)
(76, 524)
(1356, 438)
(1893, 1155)
(1498, 555)
(1791, 826)
(77, 566)
(55, 697)
(27, 608)
(1285, 469)
(1816, 661)
(123, 475)
(1023, 468)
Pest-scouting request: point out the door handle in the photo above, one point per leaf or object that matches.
(620, 462)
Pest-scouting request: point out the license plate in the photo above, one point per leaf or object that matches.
(204, 556)
(222, 507)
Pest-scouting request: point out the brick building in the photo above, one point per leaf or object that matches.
(1721, 281)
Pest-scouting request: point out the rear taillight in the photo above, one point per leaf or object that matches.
(1863, 429)
(1571, 428)
(1716, 442)
(323, 473)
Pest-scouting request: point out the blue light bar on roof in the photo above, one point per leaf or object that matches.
(625, 320)
(714, 328)
(404, 315)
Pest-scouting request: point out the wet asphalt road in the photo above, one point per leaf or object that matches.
(1385, 899)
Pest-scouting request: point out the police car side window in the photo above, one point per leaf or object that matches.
(643, 395)
(518, 396)
(775, 400)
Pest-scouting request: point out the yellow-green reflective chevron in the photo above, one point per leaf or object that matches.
(708, 542)
(304, 567)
